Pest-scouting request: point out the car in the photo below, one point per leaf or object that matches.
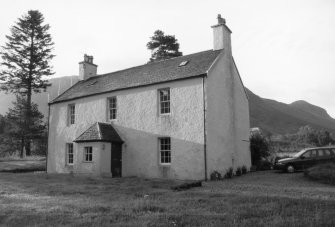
(306, 158)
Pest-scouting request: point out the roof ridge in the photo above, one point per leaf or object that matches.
(99, 131)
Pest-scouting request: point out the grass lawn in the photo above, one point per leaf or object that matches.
(323, 173)
(22, 165)
(256, 199)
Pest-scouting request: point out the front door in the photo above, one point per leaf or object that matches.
(116, 159)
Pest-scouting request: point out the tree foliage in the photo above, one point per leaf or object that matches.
(163, 46)
(259, 148)
(2, 124)
(27, 54)
(15, 124)
(308, 135)
(25, 63)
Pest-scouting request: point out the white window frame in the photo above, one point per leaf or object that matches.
(164, 101)
(69, 153)
(112, 110)
(164, 146)
(71, 114)
(88, 154)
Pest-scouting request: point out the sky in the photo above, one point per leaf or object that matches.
(284, 49)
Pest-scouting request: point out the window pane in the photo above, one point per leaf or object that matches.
(326, 152)
(88, 154)
(71, 114)
(165, 150)
(69, 153)
(321, 153)
(112, 108)
(307, 154)
(164, 99)
(313, 153)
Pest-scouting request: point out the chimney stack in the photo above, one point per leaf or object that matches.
(221, 35)
(86, 68)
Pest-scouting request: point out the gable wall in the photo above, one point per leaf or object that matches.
(242, 123)
(219, 116)
(140, 126)
(227, 118)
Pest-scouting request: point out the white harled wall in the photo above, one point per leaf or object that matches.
(242, 122)
(140, 126)
(227, 117)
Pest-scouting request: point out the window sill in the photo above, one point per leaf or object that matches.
(87, 161)
(165, 115)
(165, 164)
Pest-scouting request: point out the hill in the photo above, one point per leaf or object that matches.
(280, 118)
(269, 115)
(58, 86)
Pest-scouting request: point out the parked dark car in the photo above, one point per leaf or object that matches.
(306, 158)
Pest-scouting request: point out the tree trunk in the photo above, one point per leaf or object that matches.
(28, 122)
(22, 147)
(29, 91)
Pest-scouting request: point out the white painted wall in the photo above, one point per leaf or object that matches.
(219, 116)
(242, 123)
(227, 117)
(140, 126)
(101, 161)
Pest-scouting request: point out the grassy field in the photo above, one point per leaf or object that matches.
(256, 199)
(27, 165)
(324, 173)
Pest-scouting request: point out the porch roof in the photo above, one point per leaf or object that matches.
(99, 132)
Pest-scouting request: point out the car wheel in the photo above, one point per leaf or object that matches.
(290, 169)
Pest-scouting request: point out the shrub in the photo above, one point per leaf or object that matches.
(264, 165)
(229, 173)
(187, 186)
(253, 168)
(324, 173)
(238, 171)
(244, 170)
(259, 148)
(216, 175)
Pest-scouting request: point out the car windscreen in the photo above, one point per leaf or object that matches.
(299, 153)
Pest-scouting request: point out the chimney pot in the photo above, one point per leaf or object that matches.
(221, 20)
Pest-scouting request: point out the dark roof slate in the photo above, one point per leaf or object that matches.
(151, 73)
(99, 131)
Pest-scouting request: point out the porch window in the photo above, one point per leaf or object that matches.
(165, 150)
(112, 108)
(71, 114)
(164, 101)
(88, 154)
(69, 151)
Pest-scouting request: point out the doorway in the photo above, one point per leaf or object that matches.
(116, 159)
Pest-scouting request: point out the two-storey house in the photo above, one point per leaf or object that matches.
(180, 118)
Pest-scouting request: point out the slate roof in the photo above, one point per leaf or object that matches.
(151, 73)
(100, 132)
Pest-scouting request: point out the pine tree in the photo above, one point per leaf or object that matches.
(25, 59)
(163, 46)
(16, 123)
